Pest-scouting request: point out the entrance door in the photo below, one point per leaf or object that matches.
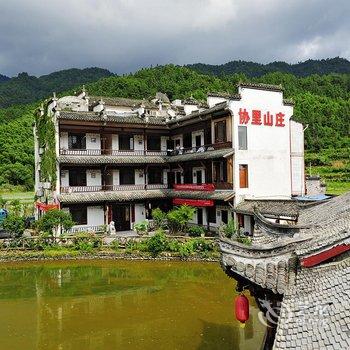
(200, 216)
(121, 217)
(199, 177)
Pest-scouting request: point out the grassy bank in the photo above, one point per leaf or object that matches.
(106, 253)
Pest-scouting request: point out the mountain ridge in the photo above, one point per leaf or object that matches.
(253, 69)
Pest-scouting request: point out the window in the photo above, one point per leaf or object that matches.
(126, 142)
(242, 138)
(219, 171)
(79, 215)
(153, 143)
(126, 176)
(76, 141)
(212, 215)
(243, 176)
(77, 177)
(155, 176)
(224, 216)
(220, 131)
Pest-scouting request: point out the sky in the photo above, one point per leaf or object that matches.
(42, 36)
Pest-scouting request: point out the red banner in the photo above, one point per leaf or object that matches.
(46, 207)
(194, 187)
(194, 202)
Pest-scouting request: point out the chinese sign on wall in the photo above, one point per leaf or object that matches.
(257, 117)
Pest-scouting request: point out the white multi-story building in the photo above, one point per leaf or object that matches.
(118, 158)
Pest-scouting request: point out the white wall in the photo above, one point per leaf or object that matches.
(194, 174)
(95, 216)
(140, 212)
(64, 178)
(213, 100)
(93, 177)
(139, 143)
(190, 108)
(163, 140)
(63, 140)
(115, 142)
(93, 141)
(297, 158)
(139, 180)
(268, 153)
(116, 181)
(196, 133)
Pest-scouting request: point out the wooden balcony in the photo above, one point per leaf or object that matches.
(110, 152)
(83, 189)
(200, 149)
(204, 187)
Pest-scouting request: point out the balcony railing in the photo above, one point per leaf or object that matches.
(204, 187)
(110, 152)
(80, 189)
(200, 149)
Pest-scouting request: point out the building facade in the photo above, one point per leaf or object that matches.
(117, 159)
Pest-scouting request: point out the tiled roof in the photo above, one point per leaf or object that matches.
(315, 312)
(288, 102)
(140, 159)
(225, 95)
(121, 101)
(92, 160)
(102, 196)
(269, 207)
(125, 118)
(218, 107)
(261, 86)
(201, 155)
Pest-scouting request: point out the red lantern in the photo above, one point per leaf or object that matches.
(242, 308)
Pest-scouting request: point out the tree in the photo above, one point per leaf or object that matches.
(53, 219)
(14, 224)
(179, 217)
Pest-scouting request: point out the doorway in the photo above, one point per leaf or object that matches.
(121, 217)
(199, 177)
(200, 216)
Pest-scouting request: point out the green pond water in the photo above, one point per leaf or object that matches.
(87, 305)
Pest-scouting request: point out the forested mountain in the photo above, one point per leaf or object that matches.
(3, 78)
(322, 102)
(252, 69)
(26, 89)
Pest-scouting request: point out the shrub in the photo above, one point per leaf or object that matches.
(179, 217)
(14, 224)
(157, 243)
(115, 245)
(230, 229)
(54, 218)
(159, 218)
(86, 242)
(196, 231)
(174, 245)
(186, 249)
(141, 227)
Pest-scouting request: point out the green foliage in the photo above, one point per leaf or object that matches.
(322, 101)
(14, 224)
(141, 227)
(27, 89)
(179, 217)
(230, 229)
(115, 245)
(86, 242)
(196, 231)
(157, 243)
(54, 218)
(159, 218)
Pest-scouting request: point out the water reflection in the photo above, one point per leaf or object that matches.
(121, 305)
